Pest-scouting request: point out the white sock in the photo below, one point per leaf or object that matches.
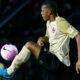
(22, 57)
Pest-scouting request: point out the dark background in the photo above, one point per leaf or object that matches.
(20, 21)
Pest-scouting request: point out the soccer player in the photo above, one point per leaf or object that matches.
(58, 34)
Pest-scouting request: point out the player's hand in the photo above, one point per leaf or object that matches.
(78, 66)
(40, 41)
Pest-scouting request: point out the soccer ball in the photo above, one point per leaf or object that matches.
(9, 51)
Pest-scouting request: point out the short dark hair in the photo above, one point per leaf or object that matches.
(51, 5)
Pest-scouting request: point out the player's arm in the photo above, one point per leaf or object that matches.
(65, 27)
(44, 39)
(77, 37)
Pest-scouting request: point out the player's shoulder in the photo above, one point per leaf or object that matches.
(61, 22)
(60, 19)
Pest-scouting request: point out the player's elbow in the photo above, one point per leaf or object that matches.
(77, 38)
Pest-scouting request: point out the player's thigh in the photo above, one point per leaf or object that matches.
(34, 48)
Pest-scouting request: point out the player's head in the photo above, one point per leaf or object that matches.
(48, 8)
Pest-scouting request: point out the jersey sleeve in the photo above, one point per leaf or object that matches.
(65, 27)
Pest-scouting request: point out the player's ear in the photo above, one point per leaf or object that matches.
(49, 11)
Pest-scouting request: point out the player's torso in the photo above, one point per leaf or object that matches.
(59, 42)
(56, 38)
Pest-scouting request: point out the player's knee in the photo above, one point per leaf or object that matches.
(29, 44)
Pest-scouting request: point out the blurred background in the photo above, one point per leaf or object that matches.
(21, 21)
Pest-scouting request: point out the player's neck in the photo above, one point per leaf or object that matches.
(52, 18)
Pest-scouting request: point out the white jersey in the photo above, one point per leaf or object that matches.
(59, 33)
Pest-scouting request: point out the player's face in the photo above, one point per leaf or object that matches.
(45, 13)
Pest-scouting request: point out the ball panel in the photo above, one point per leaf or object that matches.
(11, 55)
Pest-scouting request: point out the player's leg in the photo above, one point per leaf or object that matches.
(24, 55)
(34, 48)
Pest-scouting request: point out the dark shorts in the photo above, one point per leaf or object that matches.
(52, 64)
(49, 60)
